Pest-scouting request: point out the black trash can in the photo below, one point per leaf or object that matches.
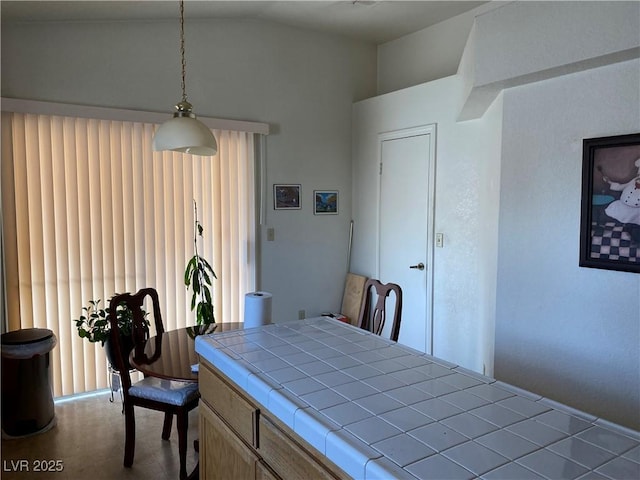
(27, 399)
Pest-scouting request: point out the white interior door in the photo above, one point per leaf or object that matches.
(405, 228)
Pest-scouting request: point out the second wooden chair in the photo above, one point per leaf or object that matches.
(372, 318)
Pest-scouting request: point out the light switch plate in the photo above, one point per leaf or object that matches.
(439, 240)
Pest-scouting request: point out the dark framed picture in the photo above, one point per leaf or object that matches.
(325, 202)
(610, 214)
(286, 197)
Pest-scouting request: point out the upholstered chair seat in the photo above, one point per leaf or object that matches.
(165, 391)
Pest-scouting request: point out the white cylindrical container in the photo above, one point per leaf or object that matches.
(257, 309)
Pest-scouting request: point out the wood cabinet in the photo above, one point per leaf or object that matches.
(263, 472)
(286, 455)
(240, 439)
(223, 455)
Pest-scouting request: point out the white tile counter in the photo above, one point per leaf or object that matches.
(380, 410)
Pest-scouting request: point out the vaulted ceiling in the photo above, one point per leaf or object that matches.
(372, 21)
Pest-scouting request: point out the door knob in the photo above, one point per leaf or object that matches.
(419, 266)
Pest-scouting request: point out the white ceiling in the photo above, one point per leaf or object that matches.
(372, 21)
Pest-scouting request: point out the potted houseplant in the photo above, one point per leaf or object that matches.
(198, 276)
(95, 326)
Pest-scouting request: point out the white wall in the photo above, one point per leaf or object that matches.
(559, 38)
(467, 159)
(565, 33)
(565, 332)
(301, 83)
(562, 331)
(428, 54)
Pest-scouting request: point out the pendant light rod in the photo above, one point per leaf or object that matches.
(183, 83)
(183, 107)
(184, 133)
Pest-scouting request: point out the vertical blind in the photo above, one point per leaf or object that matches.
(89, 210)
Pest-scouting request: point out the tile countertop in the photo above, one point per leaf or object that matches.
(380, 410)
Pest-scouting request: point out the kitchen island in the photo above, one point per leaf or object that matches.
(318, 398)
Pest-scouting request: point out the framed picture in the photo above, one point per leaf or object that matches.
(286, 197)
(325, 202)
(610, 216)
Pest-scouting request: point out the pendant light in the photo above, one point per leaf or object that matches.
(184, 133)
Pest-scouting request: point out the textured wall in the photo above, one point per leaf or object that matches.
(565, 332)
(466, 210)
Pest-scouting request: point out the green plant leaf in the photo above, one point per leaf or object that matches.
(208, 266)
(196, 283)
(198, 278)
(188, 272)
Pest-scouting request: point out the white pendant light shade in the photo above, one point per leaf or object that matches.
(184, 133)
(187, 135)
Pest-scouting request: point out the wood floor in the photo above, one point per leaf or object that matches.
(88, 440)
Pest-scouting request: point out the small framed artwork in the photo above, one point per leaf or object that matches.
(325, 202)
(286, 197)
(610, 213)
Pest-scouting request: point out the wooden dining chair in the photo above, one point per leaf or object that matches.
(168, 396)
(372, 316)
